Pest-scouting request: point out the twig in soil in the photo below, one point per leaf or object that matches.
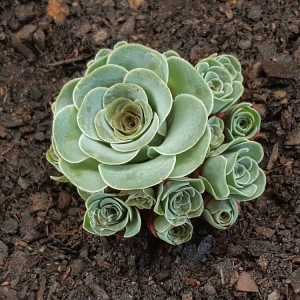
(69, 61)
(222, 276)
(8, 149)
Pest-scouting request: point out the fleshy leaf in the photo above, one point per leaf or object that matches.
(65, 96)
(91, 105)
(214, 171)
(128, 177)
(124, 90)
(105, 76)
(134, 56)
(96, 64)
(186, 126)
(134, 224)
(143, 140)
(184, 79)
(66, 134)
(104, 153)
(190, 160)
(85, 175)
(159, 95)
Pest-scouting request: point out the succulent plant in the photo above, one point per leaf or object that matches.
(142, 199)
(223, 75)
(171, 234)
(180, 199)
(108, 214)
(241, 120)
(216, 126)
(128, 116)
(233, 171)
(221, 213)
(145, 130)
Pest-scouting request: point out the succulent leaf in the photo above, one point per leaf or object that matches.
(142, 199)
(132, 176)
(241, 121)
(84, 175)
(190, 160)
(223, 75)
(235, 172)
(184, 79)
(67, 132)
(174, 235)
(186, 126)
(221, 214)
(135, 56)
(107, 214)
(180, 199)
(216, 126)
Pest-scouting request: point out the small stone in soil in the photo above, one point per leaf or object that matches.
(10, 226)
(205, 246)
(100, 36)
(26, 32)
(3, 250)
(295, 280)
(24, 12)
(265, 231)
(274, 295)
(294, 137)
(209, 289)
(128, 27)
(40, 202)
(39, 39)
(246, 283)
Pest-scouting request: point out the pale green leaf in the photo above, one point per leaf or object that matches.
(66, 134)
(128, 177)
(186, 126)
(105, 76)
(185, 79)
(85, 175)
(159, 95)
(190, 160)
(91, 105)
(65, 97)
(103, 153)
(134, 56)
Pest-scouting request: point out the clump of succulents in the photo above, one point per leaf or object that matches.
(145, 131)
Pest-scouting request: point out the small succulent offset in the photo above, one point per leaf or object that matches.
(147, 132)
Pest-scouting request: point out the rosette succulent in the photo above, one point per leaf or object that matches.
(223, 75)
(216, 126)
(134, 112)
(221, 213)
(180, 199)
(241, 120)
(107, 214)
(142, 199)
(171, 234)
(233, 171)
(145, 130)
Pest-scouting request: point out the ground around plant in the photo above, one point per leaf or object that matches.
(45, 253)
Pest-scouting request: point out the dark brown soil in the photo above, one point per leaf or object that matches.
(45, 253)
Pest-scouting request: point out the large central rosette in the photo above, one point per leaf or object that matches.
(136, 118)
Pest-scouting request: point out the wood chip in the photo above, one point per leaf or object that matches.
(135, 4)
(191, 281)
(18, 45)
(58, 11)
(265, 231)
(273, 157)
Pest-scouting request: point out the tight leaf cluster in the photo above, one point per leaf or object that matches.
(145, 131)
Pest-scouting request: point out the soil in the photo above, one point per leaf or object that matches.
(45, 253)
